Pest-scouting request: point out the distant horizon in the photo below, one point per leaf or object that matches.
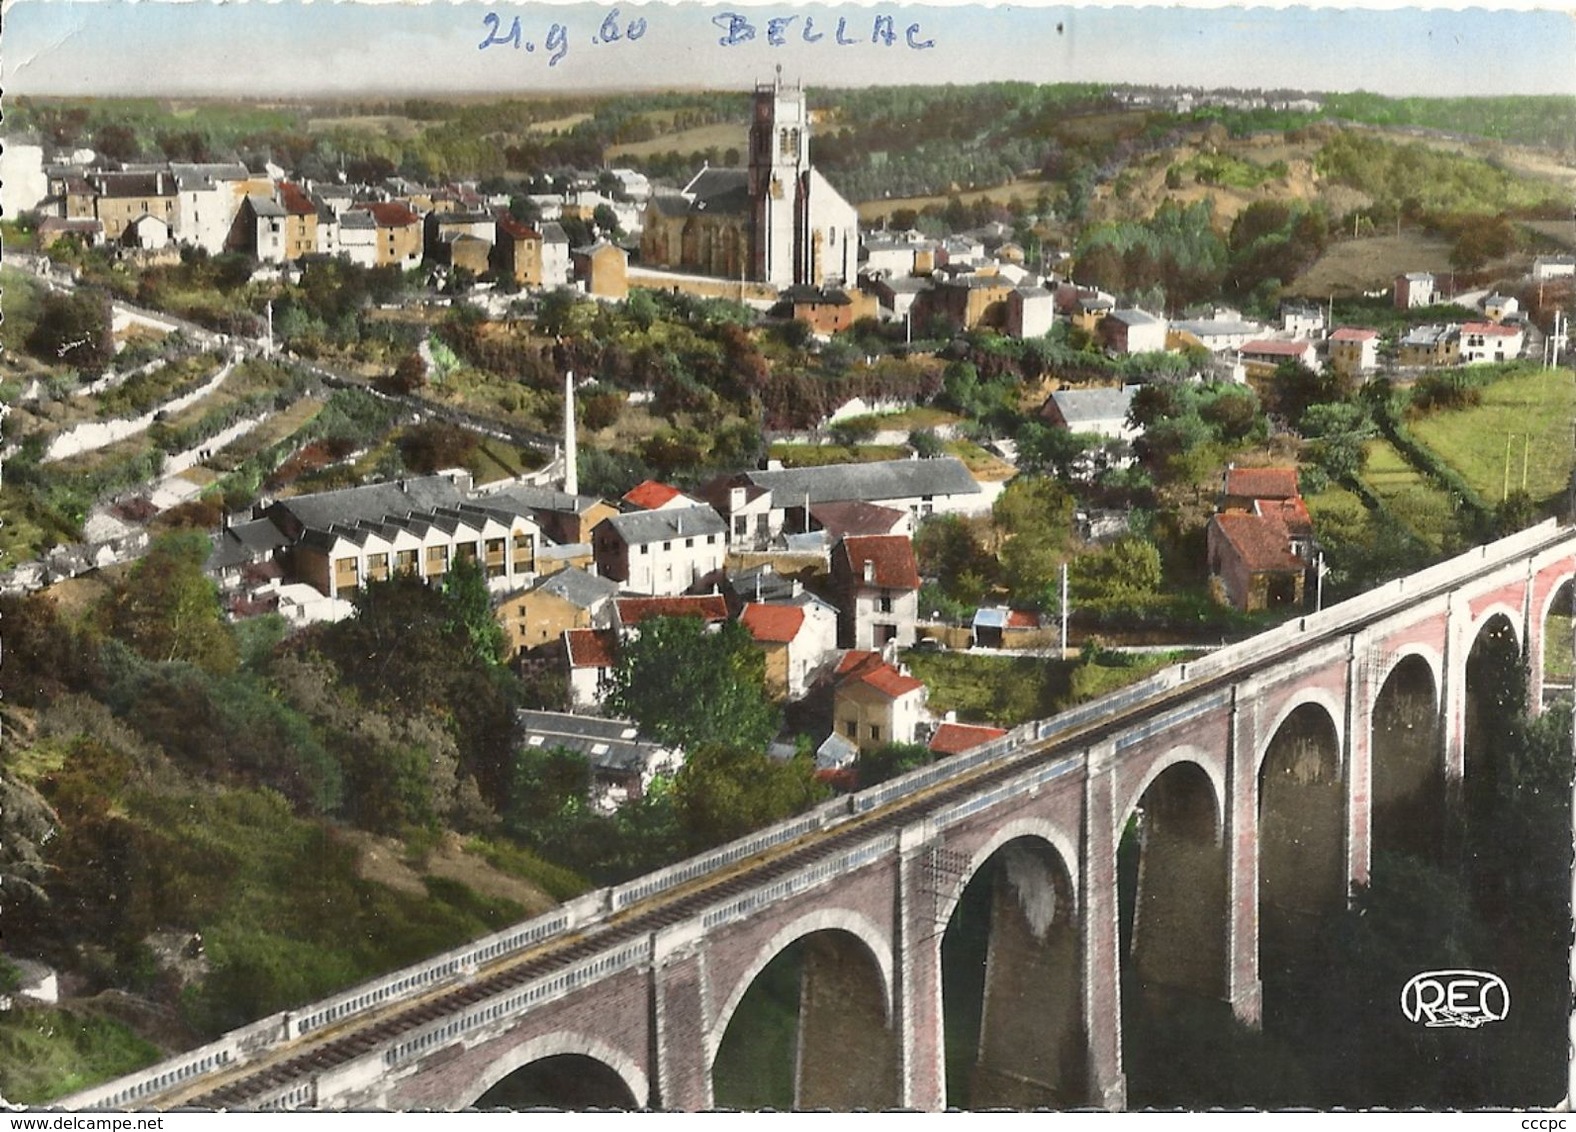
(290, 51)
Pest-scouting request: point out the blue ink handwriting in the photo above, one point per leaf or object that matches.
(555, 43)
(737, 29)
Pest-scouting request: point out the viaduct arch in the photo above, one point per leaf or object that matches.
(1229, 763)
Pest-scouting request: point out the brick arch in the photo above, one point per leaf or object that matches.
(1429, 656)
(856, 924)
(1559, 580)
(1318, 697)
(1498, 609)
(1210, 765)
(1034, 829)
(553, 1045)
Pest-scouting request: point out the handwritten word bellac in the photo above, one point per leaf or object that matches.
(737, 29)
(556, 43)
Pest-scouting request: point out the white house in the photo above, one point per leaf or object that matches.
(660, 552)
(207, 197)
(875, 703)
(1490, 342)
(590, 655)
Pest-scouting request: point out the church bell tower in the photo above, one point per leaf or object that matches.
(779, 183)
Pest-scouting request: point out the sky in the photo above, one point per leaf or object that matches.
(276, 50)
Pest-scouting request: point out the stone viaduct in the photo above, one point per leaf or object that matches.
(1246, 793)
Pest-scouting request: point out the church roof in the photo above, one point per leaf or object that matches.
(720, 190)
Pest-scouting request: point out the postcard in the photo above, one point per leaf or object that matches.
(850, 557)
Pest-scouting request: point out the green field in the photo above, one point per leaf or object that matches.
(1429, 513)
(46, 1054)
(1535, 412)
(1334, 503)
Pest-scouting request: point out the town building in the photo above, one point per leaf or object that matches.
(1354, 350)
(1429, 346)
(876, 580)
(778, 220)
(567, 599)
(875, 703)
(660, 552)
(1415, 289)
(622, 764)
(1490, 342)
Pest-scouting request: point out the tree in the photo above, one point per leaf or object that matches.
(471, 612)
(1048, 450)
(688, 686)
(606, 221)
(1339, 430)
(73, 330)
(1035, 517)
(544, 783)
(167, 609)
(890, 760)
(1127, 570)
(408, 376)
(117, 141)
(925, 443)
(726, 790)
(434, 445)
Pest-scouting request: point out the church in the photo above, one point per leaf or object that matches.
(778, 221)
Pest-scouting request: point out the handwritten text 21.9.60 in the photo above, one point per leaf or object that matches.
(555, 44)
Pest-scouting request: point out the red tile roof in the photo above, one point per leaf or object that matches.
(855, 659)
(651, 495)
(1353, 334)
(591, 648)
(868, 668)
(515, 228)
(1289, 516)
(392, 214)
(634, 610)
(1491, 329)
(1276, 348)
(293, 199)
(856, 518)
(955, 738)
(1261, 547)
(1262, 483)
(1022, 619)
(891, 558)
(773, 624)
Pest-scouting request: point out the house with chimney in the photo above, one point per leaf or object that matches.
(875, 703)
(661, 552)
(939, 486)
(622, 763)
(566, 599)
(1261, 542)
(590, 656)
(876, 580)
(797, 636)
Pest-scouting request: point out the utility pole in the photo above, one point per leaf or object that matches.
(1504, 491)
(1064, 609)
(1318, 582)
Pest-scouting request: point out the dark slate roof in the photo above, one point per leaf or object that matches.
(670, 202)
(357, 218)
(263, 206)
(720, 190)
(207, 175)
(541, 499)
(760, 583)
(638, 527)
(578, 588)
(245, 542)
(553, 233)
(1080, 405)
(885, 479)
(375, 502)
(607, 744)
